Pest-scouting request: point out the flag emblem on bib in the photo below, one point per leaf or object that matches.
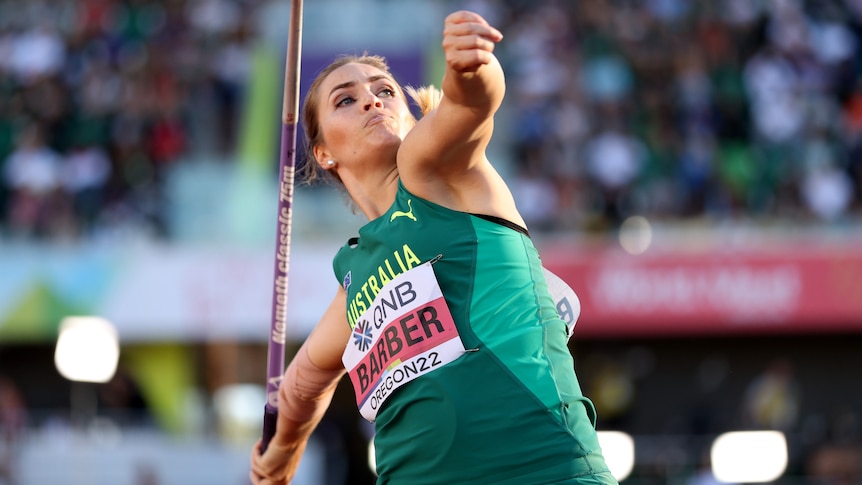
(346, 282)
(362, 335)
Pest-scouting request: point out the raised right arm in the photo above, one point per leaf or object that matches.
(443, 159)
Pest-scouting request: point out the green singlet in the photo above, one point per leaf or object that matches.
(510, 409)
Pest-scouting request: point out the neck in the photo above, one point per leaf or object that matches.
(373, 194)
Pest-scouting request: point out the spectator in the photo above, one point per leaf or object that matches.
(13, 418)
(773, 397)
(614, 160)
(536, 196)
(84, 175)
(32, 173)
(37, 53)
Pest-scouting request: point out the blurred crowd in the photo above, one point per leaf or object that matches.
(685, 110)
(98, 98)
(677, 110)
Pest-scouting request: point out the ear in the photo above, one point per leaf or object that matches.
(321, 155)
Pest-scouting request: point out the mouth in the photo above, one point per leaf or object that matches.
(377, 119)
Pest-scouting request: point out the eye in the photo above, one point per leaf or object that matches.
(345, 101)
(387, 92)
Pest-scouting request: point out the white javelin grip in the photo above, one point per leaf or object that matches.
(565, 299)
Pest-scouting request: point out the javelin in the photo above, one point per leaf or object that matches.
(287, 164)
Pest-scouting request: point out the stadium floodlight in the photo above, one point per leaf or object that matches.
(749, 456)
(618, 449)
(87, 350)
(237, 410)
(635, 235)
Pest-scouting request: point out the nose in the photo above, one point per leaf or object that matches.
(372, 101)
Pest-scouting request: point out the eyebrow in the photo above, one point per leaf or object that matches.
(348, 84)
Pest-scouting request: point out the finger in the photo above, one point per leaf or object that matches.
(469, 42)
(473, 28)
(468, 61)
(257, 474)
(467, 53)
(462, 16)
(476, 26)
(255, 452)
(258, 478)
(474, 21)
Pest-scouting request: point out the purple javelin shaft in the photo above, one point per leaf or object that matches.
(287, 164)
(278, 328)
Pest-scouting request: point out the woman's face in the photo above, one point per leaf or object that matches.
(362, 113)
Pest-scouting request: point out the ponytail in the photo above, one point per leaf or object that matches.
(426, 97)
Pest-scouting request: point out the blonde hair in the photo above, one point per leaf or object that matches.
(426, 98)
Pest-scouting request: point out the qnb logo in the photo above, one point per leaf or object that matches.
(362, 335)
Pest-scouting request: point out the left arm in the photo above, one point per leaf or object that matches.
(304, 396)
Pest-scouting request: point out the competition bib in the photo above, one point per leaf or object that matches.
(407, 332)
(565, 299)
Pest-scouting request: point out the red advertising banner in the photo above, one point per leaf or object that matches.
(788, 290)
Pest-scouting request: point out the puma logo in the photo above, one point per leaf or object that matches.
(404, 214)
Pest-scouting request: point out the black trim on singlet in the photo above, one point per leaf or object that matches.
(503, 222)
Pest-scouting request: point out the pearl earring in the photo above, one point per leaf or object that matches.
(330, 163)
